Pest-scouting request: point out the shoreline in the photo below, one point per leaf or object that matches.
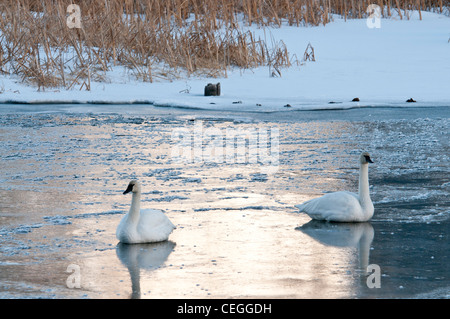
(241, 106)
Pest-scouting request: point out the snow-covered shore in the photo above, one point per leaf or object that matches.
(381, 66)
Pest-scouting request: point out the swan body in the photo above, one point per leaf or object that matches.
(142, 226)
(344, 206)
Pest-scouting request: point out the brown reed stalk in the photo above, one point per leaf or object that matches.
(158, 39)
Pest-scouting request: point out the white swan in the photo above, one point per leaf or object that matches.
(142, 226)
(344, 206)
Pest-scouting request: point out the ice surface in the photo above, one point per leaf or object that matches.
(64, 173)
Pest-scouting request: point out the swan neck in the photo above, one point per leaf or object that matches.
(135, 207)
(364, 182)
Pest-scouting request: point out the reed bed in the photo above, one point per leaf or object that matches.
(160, 39)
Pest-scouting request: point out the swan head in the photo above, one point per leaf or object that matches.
(134, 187)
(365, 158)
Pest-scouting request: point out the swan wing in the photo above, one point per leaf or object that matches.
(338, 206)
(124, 230)
(154, 226)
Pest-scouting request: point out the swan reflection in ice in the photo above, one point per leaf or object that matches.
(143, 256)
(357, 235)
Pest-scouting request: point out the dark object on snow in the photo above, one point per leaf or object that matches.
(333, 102)
(410, 100)
(356, 99)
(287, 105)
(212, 89)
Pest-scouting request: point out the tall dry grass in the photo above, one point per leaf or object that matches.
(159, 38)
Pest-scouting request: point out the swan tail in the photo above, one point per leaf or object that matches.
(311, 209)
(303, 208)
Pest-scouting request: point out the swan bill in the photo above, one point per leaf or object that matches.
(368, 160)
(129, 189)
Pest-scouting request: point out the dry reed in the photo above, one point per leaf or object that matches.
(157, 39)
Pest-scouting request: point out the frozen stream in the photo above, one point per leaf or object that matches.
(64, 168)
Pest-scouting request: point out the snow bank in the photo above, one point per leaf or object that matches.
(382, 67)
